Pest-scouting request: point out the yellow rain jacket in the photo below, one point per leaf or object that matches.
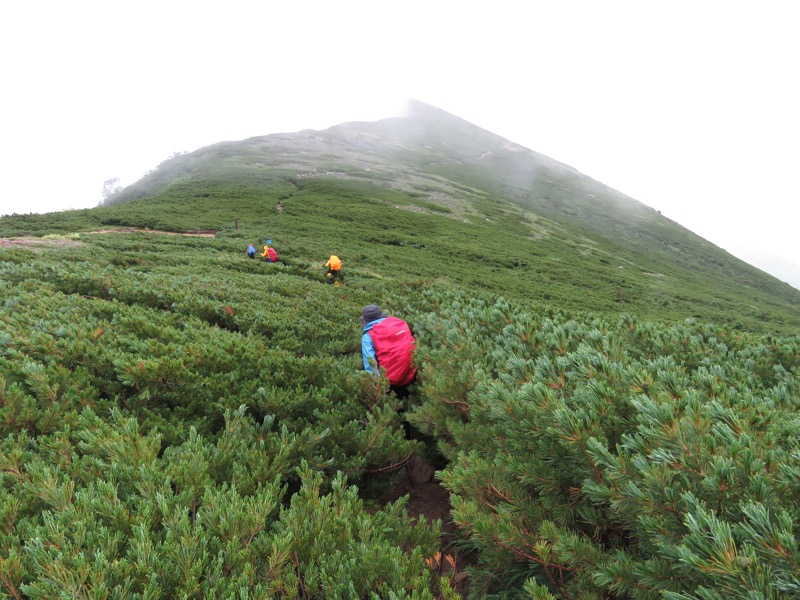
(334, 262)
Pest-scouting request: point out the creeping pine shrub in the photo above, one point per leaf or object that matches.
(598, 458)
(100, 512)
(327, 545)
(149, 452)
(179, 421)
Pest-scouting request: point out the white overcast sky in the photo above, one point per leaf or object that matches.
(691, 107)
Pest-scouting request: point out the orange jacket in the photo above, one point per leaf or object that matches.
(334, 262)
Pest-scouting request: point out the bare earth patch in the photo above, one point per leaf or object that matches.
(71, 242)
(208, 233)
(430, 500)
(33, 242)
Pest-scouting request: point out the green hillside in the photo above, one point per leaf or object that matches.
(610, 401)
(432, 197)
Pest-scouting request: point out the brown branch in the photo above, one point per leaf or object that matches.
(300, 582)
(374, 439)
(548, 567)
(396, 465)
(497, 492)
(533, 558)
(12, 589)
(461, 405)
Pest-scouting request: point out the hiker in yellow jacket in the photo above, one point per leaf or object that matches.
(269, 254)
(334, 265)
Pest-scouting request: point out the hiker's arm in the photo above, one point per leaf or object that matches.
(368, 353)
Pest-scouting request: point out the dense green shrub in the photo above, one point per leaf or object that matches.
(602, 459)
(98, 513)
(179, 421)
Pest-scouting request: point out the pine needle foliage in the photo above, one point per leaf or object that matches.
(614, 403)
(620, 459)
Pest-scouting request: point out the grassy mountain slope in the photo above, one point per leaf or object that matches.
(611, 402)
(431, 196)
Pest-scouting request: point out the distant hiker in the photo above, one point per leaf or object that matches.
(251, 251)
(279, 207)
(270, 254)
(334, 265)
(387, 343)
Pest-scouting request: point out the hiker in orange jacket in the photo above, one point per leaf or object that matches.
(334, 265)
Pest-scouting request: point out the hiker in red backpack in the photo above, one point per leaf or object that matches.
(387, 343)
(269, 253)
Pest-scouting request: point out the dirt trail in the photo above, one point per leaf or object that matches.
(32, 242)
(208, 233)
(69, 242)
(432, 501)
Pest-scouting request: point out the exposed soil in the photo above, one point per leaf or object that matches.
(32, 242)
(431, 500)
(428, 499)
(208, 233)
(66, 242)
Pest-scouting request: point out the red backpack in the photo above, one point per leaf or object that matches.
(273, 256)
(394, 346)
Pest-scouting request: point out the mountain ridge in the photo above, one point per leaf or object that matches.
(533, 226)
